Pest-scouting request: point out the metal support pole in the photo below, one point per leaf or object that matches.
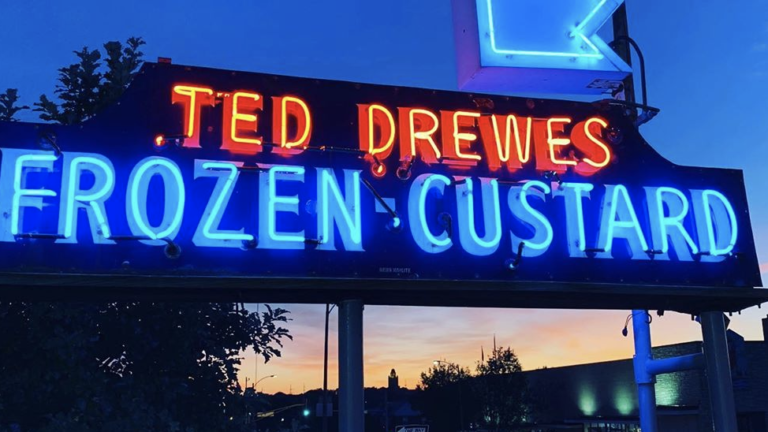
(351, 398)
(325, 370)
(621, 28)
(646, 393)
(718, 372)
(675, 364)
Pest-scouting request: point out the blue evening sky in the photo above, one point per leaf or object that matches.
(707, 65)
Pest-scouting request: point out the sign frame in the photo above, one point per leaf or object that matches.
(483, 294)
(131, 283)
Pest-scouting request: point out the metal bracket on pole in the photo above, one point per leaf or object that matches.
(646, 369)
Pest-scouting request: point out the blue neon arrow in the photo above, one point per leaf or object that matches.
(547, 33)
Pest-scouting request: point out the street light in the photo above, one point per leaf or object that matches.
(328, 309)
(256, 391)
(257, 382)
(268, 376)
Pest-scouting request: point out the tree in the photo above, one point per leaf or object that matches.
(443, 374)
(502, 390)
(85, 88)
(123, 366)
(8, 107)
(122, 64)
(444, 396)
(128, 366)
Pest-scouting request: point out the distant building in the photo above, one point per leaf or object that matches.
(387, 408)
(601, 397)
(595, 397)
(393, 381)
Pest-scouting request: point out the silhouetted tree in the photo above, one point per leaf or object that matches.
(85, 88)
(129, 366)
(8, 107)
(125, 367)
(502, 390)
(444, 397)
(122, 64)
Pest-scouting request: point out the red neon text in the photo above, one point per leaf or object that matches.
(290, 109)
(461, 139)
(192, 98)
(240, 123)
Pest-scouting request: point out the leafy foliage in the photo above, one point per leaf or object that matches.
(123, 367)
(445, 396)
(502, 390)
(494, 398)
(8, 107)
(129, 366)
(122, 64)
(443, 374)
(84, 88)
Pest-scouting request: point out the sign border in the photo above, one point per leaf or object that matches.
(378, 292)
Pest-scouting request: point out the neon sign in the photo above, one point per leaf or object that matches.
(535, 45)
(665, 209)
(287, 177)
(580, 42)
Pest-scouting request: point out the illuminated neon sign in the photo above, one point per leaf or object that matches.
(535, 45)
(272, 176)
(581, 18)
(665, 209)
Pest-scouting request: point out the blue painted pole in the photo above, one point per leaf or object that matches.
(646, 393)
(675, 364)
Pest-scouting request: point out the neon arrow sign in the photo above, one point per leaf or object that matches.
(576, 34)
(535, 45)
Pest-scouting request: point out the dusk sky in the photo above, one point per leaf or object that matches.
(707, 67)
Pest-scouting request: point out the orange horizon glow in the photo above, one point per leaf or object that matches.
(409, 339)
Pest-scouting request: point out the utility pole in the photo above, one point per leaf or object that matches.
(325, 370)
